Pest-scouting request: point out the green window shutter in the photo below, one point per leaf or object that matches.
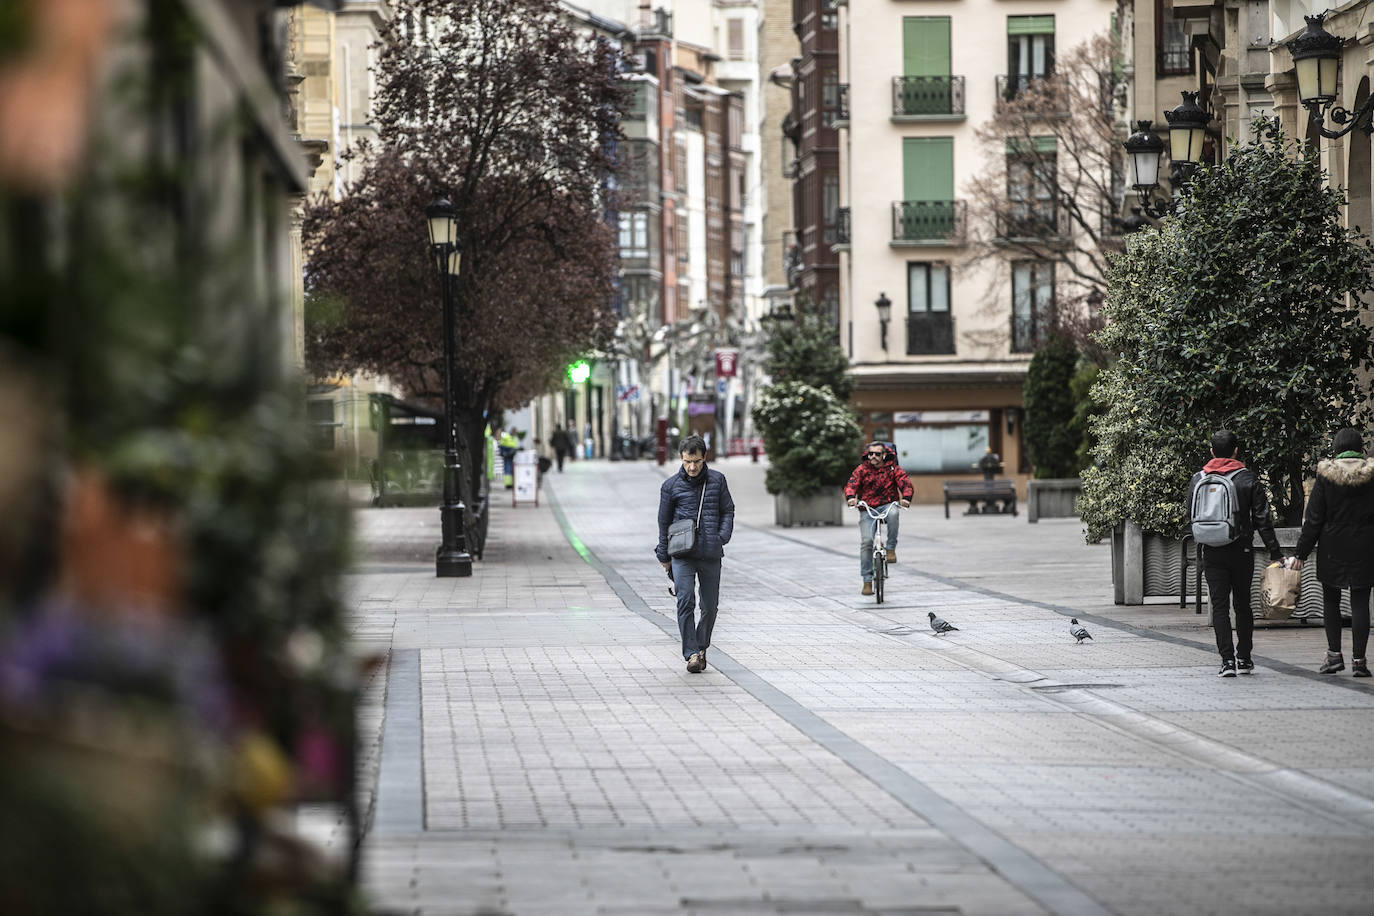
(925, 46)
(1018, 145)
(928, 168)
(1030, 25)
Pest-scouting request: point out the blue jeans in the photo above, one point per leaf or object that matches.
(688, 574)
(867, 526)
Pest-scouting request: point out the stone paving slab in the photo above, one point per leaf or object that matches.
(838, 757)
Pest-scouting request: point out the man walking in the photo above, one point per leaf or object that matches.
(879, 482)
(701, 495)
(1227, 505)
(562, 445)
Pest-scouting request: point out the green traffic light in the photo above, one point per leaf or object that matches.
(579, 372)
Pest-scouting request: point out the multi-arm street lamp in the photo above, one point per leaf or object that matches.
(1187, 131)
(1317, 59)
(451, 559)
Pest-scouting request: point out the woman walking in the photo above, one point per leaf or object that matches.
(1340, 524)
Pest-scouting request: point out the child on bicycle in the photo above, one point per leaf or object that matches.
(879, 482)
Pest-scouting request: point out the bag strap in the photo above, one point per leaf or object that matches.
(701, 502)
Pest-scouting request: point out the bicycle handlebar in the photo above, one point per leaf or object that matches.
(872, 514)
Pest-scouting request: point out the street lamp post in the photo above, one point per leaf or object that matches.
(1317, 60)
(451, 559)
(1187, 131)
(884, 306)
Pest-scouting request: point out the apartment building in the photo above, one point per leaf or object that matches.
(939, 340)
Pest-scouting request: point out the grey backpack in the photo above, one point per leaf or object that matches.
(1214, 510)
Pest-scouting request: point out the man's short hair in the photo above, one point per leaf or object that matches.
(1347, 440)
(692, 444)
(1224, 443)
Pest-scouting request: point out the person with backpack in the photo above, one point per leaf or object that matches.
(1340, 524)
(1226, 506)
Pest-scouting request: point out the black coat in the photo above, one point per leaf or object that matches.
(679, 497)
(1340, 523)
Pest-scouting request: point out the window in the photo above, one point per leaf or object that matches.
(830, 98)
(1174, 53)
(930, 328)
(320, 413)
(634, 235)
(1030, 50)
(1032, 177)
(1032, 304)
(830, 18)
(946, 448)
(830, 206)
(735, 40)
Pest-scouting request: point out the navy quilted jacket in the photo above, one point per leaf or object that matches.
(679, 497)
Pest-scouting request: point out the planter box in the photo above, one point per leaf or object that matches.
(1150, 566)
(818, 509)
(1053, 498)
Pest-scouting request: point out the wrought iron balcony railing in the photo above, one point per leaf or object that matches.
(929, 333)
(842, 103)
(928, 221)
(1046, 222)
(842, 226)
(927, 95)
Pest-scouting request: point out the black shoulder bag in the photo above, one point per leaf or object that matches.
(682, 534)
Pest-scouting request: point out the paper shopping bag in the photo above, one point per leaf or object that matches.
(1279, 591)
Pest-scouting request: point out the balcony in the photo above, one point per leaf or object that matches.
(842, 228)
(1044, 223)
(929, 334)
(927, 97)
(1012, 87)
(927, 222)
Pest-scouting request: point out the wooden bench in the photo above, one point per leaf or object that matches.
(997, 496)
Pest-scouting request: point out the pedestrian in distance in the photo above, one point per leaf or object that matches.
(508, 445)
(562, 443)
(1339, 522)
(878, 482)
(698, 493)
(1226, 506)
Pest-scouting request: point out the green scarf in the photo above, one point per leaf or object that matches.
(1351, 455)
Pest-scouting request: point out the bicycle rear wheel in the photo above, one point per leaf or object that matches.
(879, 574)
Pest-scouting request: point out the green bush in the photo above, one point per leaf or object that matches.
(808, 428)
(1048, 397)
(810, 435)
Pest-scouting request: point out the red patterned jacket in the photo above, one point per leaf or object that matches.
(879, 486)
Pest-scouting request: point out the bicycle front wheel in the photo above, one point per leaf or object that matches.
(879, 575)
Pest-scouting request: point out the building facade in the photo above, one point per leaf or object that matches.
(939, 340)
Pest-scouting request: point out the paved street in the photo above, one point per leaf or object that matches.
(533, 744)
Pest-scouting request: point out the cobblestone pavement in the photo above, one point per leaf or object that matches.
(533, 745)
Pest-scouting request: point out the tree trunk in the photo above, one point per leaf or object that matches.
(1292, 518)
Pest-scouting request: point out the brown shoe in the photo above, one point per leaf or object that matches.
(892, 556)
(694, 664)
(867, 589)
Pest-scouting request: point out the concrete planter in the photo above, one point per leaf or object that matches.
(825, 508)
(1150, 566)
(1053, 498)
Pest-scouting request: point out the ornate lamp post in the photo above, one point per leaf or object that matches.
(1317, 60)
(884, 306)
(1187, 131)
(451, 559)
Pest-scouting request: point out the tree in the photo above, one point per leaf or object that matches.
(1242, 312)
(1053, 188)
(1048, 399)
(808, 428)
(501, 106)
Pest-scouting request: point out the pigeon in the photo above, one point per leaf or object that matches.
(940, 625)
(1078, 631)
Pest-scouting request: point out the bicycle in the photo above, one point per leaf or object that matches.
(879, 550)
